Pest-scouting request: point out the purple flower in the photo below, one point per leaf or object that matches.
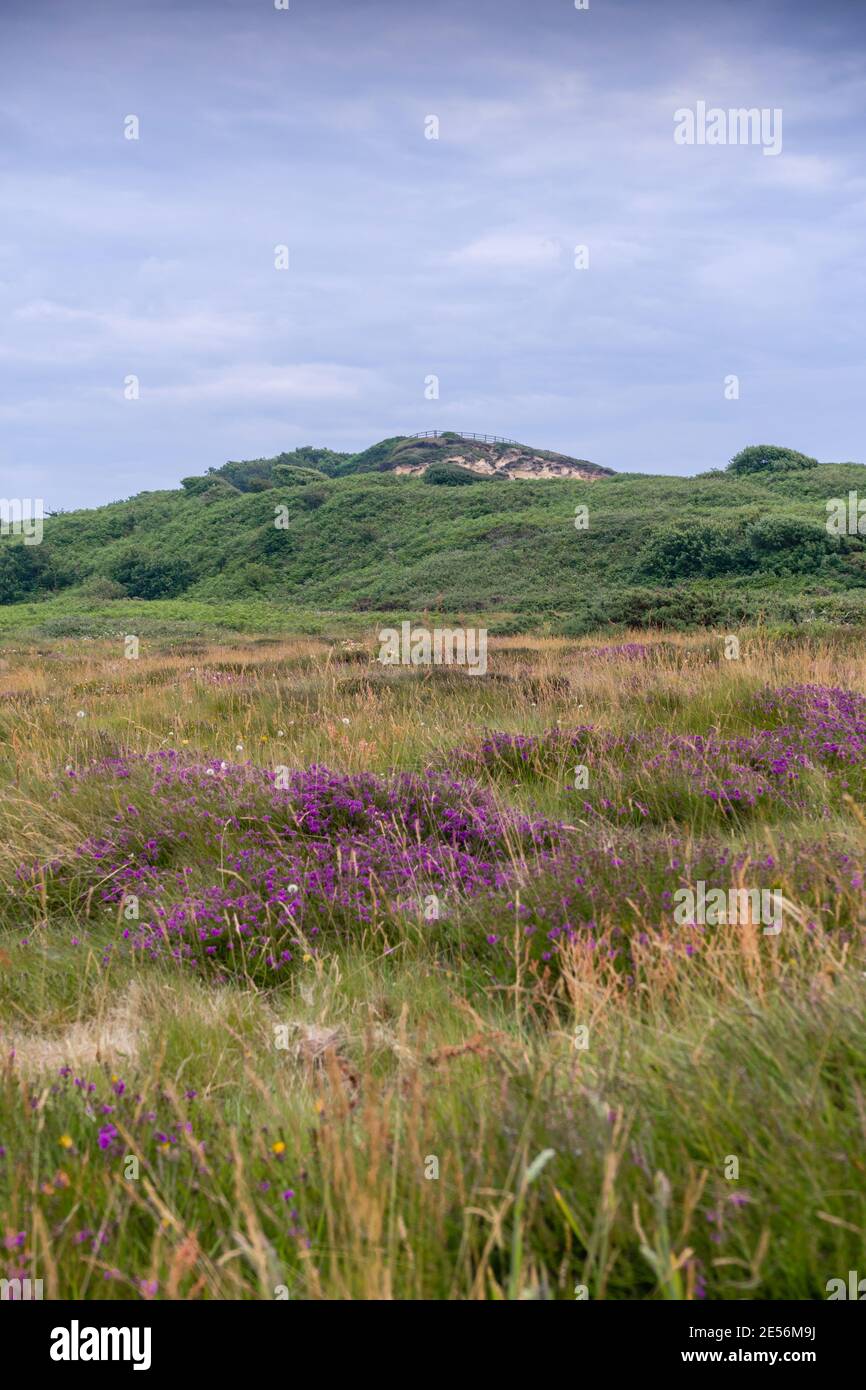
(107, 1135)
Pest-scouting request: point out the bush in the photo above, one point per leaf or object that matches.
(787, 545)
(208, 485)
(145, 578)
(325, 461)
(196, 484)
(255, 578)
(450, 475)
(250, 475)
(99, 586)
(698, 551)
(758, 458)
(19, 573)
(290, 475)
(28, 570)
(314, 496)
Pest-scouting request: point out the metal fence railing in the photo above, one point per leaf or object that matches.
(464, 434)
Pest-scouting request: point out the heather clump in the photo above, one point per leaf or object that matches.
(804, 752)
(246, 867)
(615, 902)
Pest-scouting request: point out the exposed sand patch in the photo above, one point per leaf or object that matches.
(115, 1038)
(121, 1035)
(514, 463)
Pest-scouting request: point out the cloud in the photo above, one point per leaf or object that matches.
(198, 330)
(509, 250)
(808, 173)
(412, 256)
(262, 382)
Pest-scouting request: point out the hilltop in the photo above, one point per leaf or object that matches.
(262, 542)
(450, 457)
(484, 455)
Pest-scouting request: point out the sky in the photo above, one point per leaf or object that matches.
(148, 331)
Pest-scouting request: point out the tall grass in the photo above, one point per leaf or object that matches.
(412, 1112)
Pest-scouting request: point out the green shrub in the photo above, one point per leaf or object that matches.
(289, 475)
(313, 497)
(208, 485)
(257, 475)
(19, 572)
(143, 577)
(699, 551)
(450, 475)
(789, 545)
(29, 570)
(758, 458)
(100, 586)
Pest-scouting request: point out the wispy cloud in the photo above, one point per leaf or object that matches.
(304, 381)
(509, 250)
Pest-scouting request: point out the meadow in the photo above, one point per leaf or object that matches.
(324, 980)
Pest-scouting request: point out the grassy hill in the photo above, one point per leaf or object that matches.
(409, 454)
(303, 532)
(403, 454)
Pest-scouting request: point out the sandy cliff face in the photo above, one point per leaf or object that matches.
(509, 462)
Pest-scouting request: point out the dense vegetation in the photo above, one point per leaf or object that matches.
(758, 458)
(746, 544)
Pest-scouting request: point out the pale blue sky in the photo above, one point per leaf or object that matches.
(410, 256)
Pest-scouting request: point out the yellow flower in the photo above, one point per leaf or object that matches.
(66, 1141)
(165, 1147)
(319, 1106)
(278, 1148)
(308, 957)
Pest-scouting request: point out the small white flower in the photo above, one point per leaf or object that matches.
(209, 772)
(81, 714)
(281, 733)
(344, 720)
(223, 767)
(239, 748)
(292, 888)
